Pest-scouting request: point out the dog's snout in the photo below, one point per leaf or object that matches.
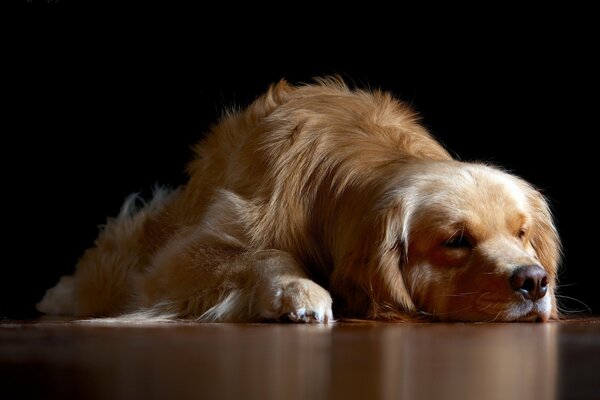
(531, 281)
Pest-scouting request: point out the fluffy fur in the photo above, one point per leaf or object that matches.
(312, 193)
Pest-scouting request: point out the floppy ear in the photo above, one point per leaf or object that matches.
(369, 278)
(390, 258)
(545, 241)
(544, 237)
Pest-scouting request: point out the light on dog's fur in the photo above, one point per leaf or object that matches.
(318, 196)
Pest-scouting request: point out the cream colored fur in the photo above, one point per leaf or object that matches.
(312, 192)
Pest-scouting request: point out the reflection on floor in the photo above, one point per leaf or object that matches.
(53, 358)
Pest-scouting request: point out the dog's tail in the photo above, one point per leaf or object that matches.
(101, 284)
(59, 299)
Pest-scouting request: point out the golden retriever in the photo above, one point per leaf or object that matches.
(321, 192)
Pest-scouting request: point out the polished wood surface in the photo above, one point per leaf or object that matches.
(66, 359)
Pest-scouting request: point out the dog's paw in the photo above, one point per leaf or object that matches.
(300, 300)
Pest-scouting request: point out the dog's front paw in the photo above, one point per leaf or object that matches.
(300, 300)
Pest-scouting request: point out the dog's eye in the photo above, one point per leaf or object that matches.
(458, 242)
(521, 233)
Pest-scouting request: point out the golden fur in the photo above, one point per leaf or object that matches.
(312, 193)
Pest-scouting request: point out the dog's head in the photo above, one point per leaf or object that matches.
(453, 240)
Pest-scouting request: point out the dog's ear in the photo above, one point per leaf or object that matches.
(545, 241)
(544, 236)
(391, 256)
(369, 277)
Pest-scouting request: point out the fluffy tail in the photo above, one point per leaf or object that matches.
(102, 283)
(59, 299)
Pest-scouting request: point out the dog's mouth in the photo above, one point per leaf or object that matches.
(532, 317)
(512, 311)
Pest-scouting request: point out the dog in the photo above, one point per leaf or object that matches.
(322, 195)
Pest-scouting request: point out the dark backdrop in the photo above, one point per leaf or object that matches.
(96, 109)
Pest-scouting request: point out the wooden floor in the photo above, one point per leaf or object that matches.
(63, 359)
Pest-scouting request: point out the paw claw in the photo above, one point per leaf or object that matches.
(310, 316)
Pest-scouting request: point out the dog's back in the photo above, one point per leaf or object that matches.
(257, 182)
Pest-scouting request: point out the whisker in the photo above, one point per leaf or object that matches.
(497, 316)
(451, 312)
(459, 294)
(562, 285)
(562, 308)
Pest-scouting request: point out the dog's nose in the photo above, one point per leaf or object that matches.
(531, 281)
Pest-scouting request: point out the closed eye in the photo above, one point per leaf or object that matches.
(458, 241)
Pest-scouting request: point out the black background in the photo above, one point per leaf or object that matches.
(102, 103)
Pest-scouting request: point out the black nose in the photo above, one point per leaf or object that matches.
(531, 281)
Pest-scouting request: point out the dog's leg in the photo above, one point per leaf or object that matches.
(282, 290)
(211, 283)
